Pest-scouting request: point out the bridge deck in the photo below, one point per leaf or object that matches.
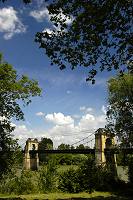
(66, 151)
(83, 151)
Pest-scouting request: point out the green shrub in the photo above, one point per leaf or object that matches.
(69, 182)
(106, 181)
(48, 177)
(77, 180)
(87, 175)
(70, 159)
(26, 183)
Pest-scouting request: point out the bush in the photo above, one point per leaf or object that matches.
(77, 180)
(105, 180)
(70, 159)
(69, 182)
(26, 183)
(88, 177)
(47, 177)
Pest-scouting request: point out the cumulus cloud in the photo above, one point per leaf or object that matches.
(22, 133)
(59, 119)
(10, 24)
(89, 121)
(64, 128)
(40, 114)
(40, 15)
(43, 14)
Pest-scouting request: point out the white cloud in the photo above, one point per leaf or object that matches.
(40, 14)
(43, 14)
(86, 109)
(104, 109)
(89, 121)
(65, 131)
(40, 114)
(48, 30)
(65, 128)
(10, 24)
(76, 116)
(59, 119)
(22, 133)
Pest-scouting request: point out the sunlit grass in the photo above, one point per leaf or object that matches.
(53, 196)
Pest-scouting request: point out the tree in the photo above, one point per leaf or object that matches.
(120, 110)
(9, 148)
(64, 146)
(45, 143)
(12, 89)
(95, 34)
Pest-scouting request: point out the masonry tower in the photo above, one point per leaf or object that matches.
(31, 161)
(103, 140)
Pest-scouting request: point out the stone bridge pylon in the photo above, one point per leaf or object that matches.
(104, 140)
(31, 161)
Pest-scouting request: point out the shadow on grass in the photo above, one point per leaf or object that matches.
(100, 198)
(91, 198)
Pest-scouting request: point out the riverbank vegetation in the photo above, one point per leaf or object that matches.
(51, 178)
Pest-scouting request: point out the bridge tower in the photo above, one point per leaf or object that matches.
(103, 140)
(31, 161)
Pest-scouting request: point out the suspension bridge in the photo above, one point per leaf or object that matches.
(100, 139)
(104, 147)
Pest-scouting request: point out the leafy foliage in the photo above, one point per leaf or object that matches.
(120, 111)
(45, 143)
(88, 177)
(69, 181)
(9, 148)
(47, 177)
(26, 183)
(95, 34)
(70, 159)
(64, 146)
(12, 89)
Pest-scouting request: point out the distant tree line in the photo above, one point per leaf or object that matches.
(62, 159)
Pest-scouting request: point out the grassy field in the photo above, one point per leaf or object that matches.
(61, 196)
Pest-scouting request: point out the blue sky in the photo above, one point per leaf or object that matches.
(70, 108)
